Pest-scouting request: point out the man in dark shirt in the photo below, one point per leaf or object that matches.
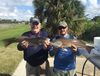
(36, 57)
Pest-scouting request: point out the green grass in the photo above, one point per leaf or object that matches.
(10, 56)
(9, 59)
(12, 32)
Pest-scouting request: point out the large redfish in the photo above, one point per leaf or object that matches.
(56, 43)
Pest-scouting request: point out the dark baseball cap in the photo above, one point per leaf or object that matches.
(34, 21)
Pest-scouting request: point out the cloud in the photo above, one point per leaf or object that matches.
(15, 9)
(23, 9)
(92, 7)
(16, 2)
(84, 2)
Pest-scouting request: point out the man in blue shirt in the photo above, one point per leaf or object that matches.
(36, 57)
(65, 57)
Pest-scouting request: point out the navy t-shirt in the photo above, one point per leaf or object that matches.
(34, 56)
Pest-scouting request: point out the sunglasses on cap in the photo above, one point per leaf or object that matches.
(61, 27)
(35, 23)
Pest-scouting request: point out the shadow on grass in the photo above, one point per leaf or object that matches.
(1, 74)
(9, 41)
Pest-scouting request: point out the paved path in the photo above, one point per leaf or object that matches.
(20, 71)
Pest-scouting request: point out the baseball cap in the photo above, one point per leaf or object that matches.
(34, 21)
(62, 24)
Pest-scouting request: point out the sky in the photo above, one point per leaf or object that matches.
(23, 9)
(92, 8)
(16, 9)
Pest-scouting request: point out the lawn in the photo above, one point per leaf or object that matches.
(10, 56)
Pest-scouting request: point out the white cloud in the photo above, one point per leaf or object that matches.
(16, 2)
(92, 8)
(13, 8)
(92, 3)
(84, 2)
(16, 9)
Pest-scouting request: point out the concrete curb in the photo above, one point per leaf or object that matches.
(20, 70)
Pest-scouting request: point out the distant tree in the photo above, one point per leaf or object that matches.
(92, 29)
(96, 18)
(53, 11)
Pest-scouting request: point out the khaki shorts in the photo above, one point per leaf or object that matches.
(42, 70)
(64, 73)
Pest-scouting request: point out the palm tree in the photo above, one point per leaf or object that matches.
(54, 11)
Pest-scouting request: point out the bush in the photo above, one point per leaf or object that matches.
(89, 34)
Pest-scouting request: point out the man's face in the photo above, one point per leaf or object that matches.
(35, 27)
(63, 30)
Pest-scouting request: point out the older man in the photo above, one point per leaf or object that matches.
(36, 57)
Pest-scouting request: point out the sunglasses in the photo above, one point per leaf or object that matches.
(60, 27)
(35, 23)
